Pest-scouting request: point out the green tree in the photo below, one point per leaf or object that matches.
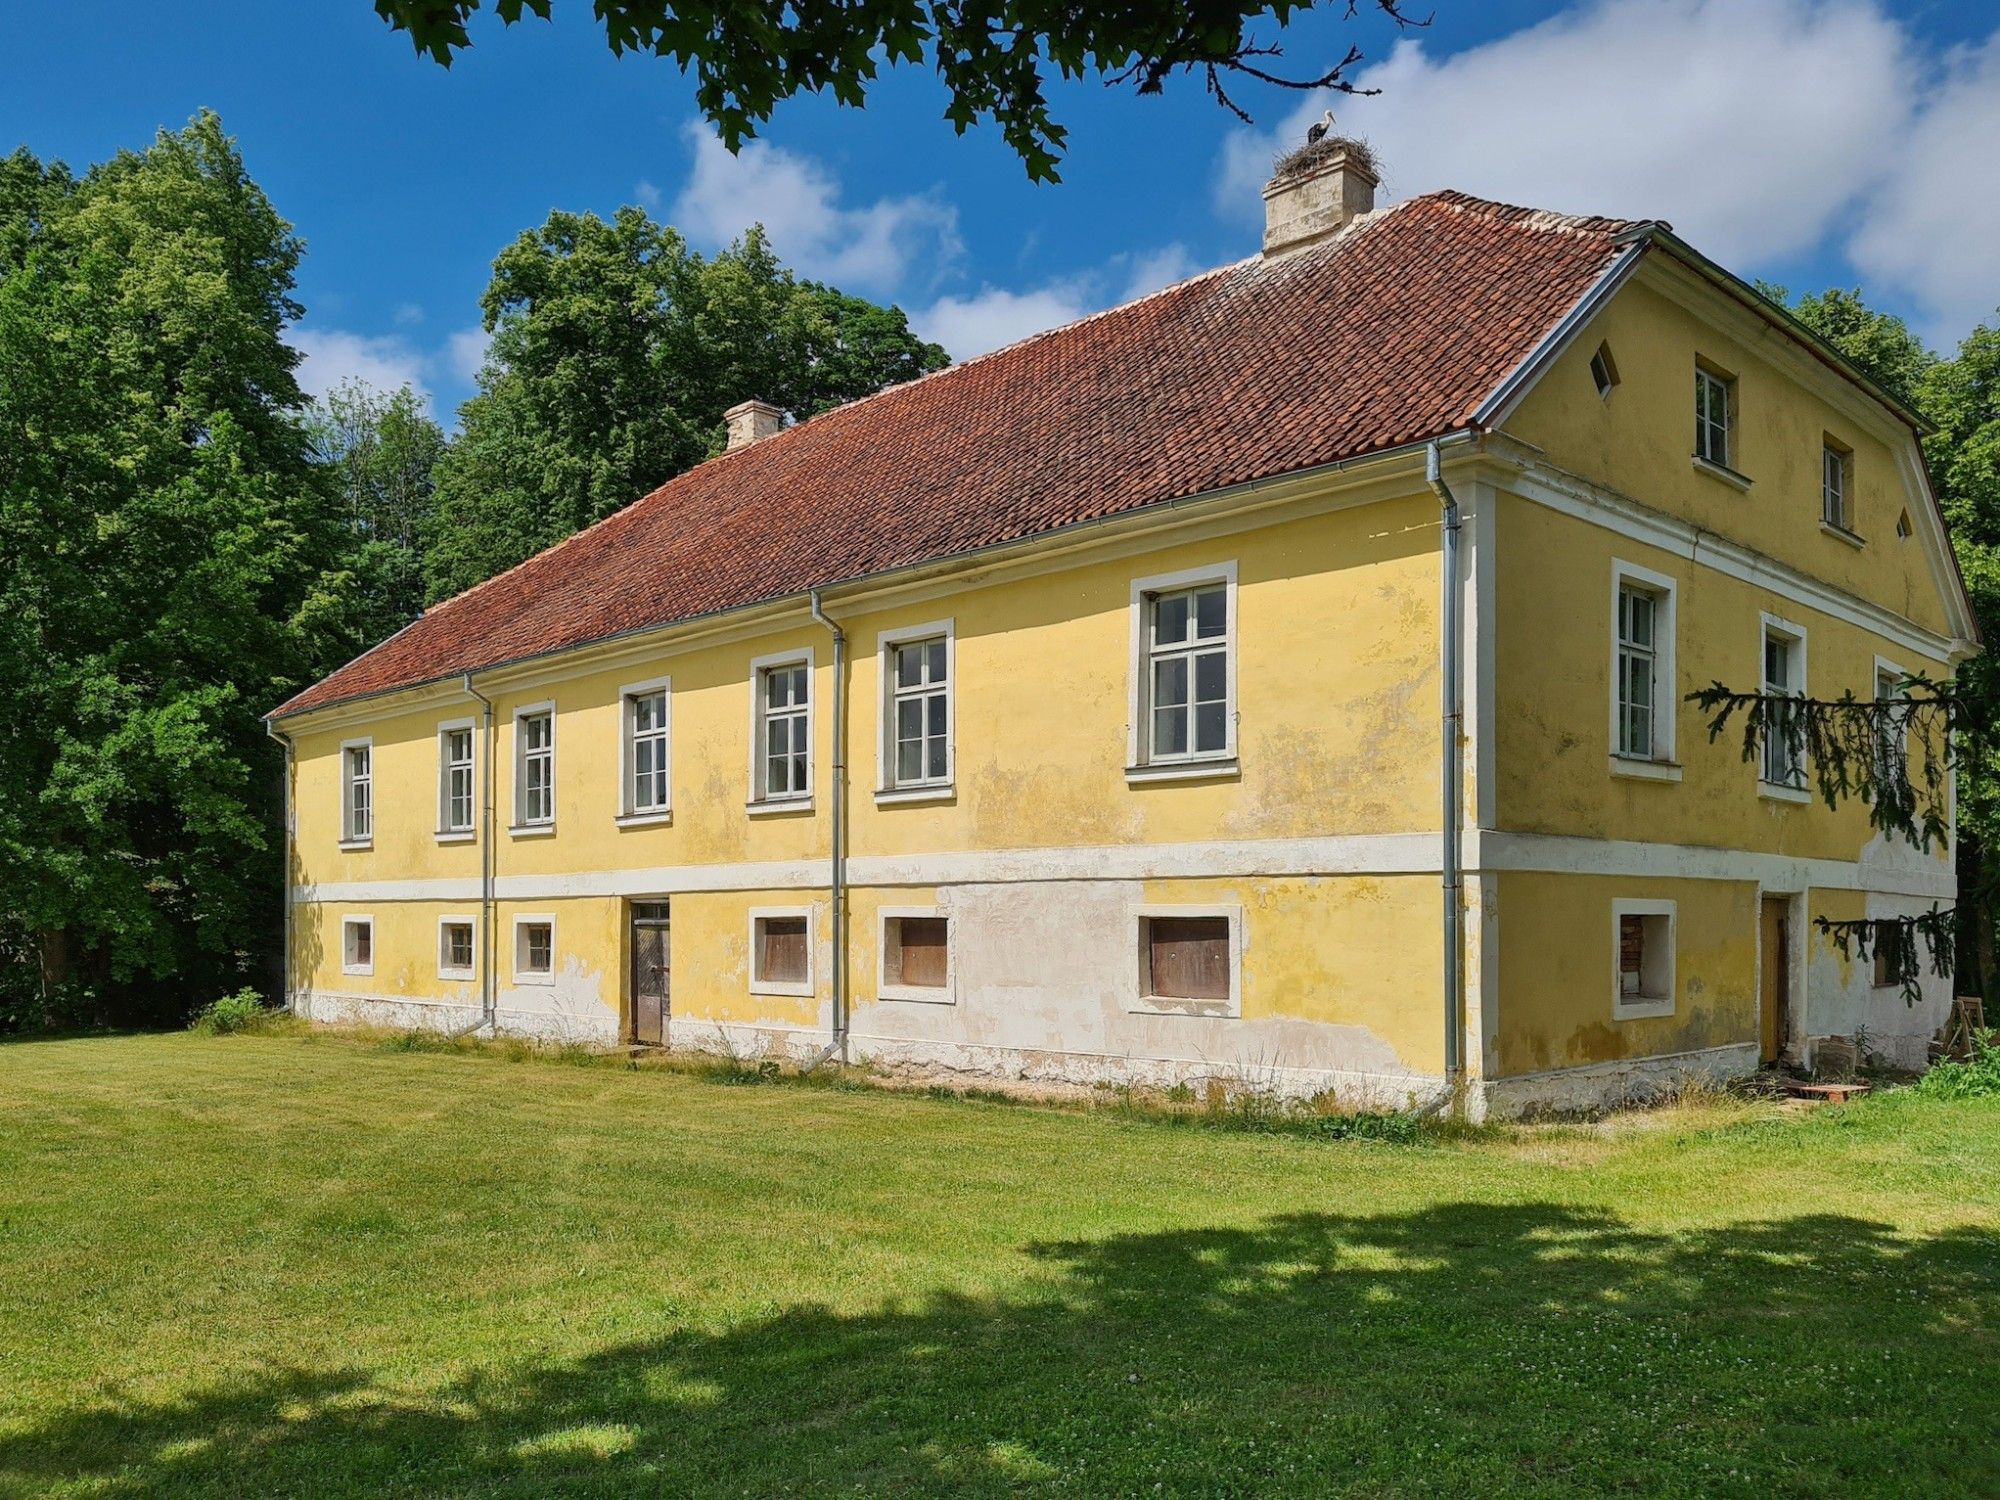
(381, 453)
(616, 349)
(1960, 397)
(995, 60)
(166, 552)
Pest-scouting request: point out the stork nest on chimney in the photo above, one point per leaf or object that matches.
(1297, 163)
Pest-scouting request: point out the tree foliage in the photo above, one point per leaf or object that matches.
(615, 352)
(165, 558)
(995, 57)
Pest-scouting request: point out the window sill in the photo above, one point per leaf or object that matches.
(1222, 768)
(353, 845)
(1166, 1005)
(531, 830)
(780, 987)
(1636, 769)
(773, 807)
(541, 979)
(1778, 792)
(1641, 1009)
(456, 835)
(456, 976)
(1842, 534)
(899, 796)
(912, 995)
(357, 971)
(1723, 472)
(660, 819)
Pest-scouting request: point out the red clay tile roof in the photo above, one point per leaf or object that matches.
(1390, 332)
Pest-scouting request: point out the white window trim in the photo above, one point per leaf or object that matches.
(628, 815)
(1770, 625)
(529, 976)
(1844, 526)
(446, 834)
(888, 790)
(947, 994)
(1645, 1007)
(521, 827)
(357, 919)
(803, 987)
(1662, 765)
(446, 970)
(1158, 1005)
(348, 838)
(1140, 765)
(757, 804)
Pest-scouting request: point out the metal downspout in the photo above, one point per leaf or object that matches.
(837, 877)
(1453, 796)
(489, 998)
(285, 965)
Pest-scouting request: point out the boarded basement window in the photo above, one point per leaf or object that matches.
(1645, 961)
(1187, 958)
(781, 950)
(915, 953)
(1888, 950)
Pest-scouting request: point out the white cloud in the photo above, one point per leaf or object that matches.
(648, 194)
(333, 356)
(879, 247)
(1750, 124)
(1931, 226)
(408, 313)
(1154, 269)
(994, 316)
(465, 352)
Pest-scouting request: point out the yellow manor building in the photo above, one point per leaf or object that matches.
(1278, 680)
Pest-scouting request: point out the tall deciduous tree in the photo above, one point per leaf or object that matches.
(995, 59)
(165, 553)
(615, 352)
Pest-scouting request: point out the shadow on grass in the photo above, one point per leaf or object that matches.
(1470, 1348)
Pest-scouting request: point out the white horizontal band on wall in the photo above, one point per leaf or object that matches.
(1353, 854)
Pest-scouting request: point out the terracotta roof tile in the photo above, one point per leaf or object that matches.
(1391, 332)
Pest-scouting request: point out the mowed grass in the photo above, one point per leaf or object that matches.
(265, 1266)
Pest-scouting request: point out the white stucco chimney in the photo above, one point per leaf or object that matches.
(1314, 191)
(750, 422)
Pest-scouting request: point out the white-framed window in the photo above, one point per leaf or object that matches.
(535, 767)
(781, 731)
(455, 778)
(1714, 417)
(1836, 485)
(915, 955)
(1781, 762)
(457, 947)
(1642, 958)
(914, 749)
(1892, 742)
(357, 792)
(357, 944)
(1183, 694)
(781, 950)
(1189, 960)
(1644, 688)
(645, 747)
(534, 950)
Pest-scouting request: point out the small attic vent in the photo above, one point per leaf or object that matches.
(1604, 370)
(1903, 526)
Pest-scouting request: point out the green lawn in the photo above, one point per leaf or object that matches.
(257, 1266)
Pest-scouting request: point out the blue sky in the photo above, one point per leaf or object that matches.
(1811, 141)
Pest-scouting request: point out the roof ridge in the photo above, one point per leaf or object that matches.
(1549, 219)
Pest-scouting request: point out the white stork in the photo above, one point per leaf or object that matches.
(1316, 132)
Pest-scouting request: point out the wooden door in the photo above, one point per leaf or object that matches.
(652, 975)
(1774, 1018)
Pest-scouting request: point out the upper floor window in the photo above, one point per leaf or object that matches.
(646, 708)
(1604, 371)
(535, 766)
(1892, 746)
(1714, 400)
(1782, 760)
(357, 791)
(1184, 680)
(455, 778)
(1638, 670)
(917, 708)
(781, 730)
(1836, 476)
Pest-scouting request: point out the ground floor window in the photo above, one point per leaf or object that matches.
(1642, 958)
(534, 950)
(455, 948)
(781, 951)
(1888, 946)
(1190, 959)
(916, 954)
(357, 945)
